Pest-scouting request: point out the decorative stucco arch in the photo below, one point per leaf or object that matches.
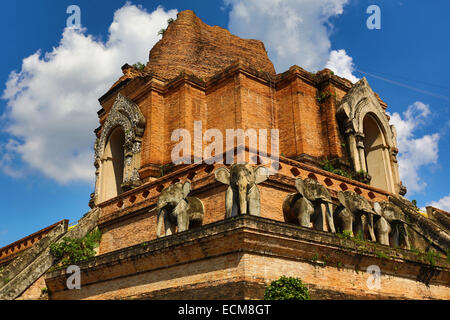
(361, 106)
(126, 115)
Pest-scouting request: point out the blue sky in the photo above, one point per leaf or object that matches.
(407, 59)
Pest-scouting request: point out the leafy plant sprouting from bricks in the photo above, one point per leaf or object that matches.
(72, 251)
(139, 66)
(286, 288)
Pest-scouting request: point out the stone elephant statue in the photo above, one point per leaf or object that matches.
(312, 202)
(355, 214)
(176, 209)
(242, 196)
(390, 229)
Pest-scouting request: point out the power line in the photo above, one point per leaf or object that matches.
(436, 95)
(410, 80)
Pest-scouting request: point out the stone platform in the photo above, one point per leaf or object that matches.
(237, 257)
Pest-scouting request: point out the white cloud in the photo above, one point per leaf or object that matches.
(293, 31)
(443, 203)
(414, 152)
(52, 102)
(341, 64)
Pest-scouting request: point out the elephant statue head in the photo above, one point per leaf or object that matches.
(242, 196)
(176, 209)
(313, 190)
(321, 201)
(355, 214)
(392, 228)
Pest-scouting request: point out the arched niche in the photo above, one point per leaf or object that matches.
(376, 154)
(118, 150)
(113, 164)
(370, 138)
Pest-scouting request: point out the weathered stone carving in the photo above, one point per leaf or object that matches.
(423, 231)
(390, 229)
(176, 209)
(127, 115)
(298, 209)
(242, 197)
(355, 214)
(312, 202)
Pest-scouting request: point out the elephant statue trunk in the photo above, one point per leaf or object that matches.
(242, 191)
(176, 209)
(355, 214)
(311, 204)
(242, 195)
(391, 227)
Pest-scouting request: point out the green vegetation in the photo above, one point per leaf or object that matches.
(360, 236)
(72, 251)
(382, 255)
(321, 96)
(139, 66)
(415, 250)
(162, 31)
(344, 234)
(358, 240)
(361, 176)
(286, 288)
(431, 257)
(44, 291)
(407, 218)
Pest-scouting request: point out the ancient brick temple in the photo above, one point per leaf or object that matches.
(333, 208)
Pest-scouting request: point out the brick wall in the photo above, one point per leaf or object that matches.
(130, 219)
(238, 98)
